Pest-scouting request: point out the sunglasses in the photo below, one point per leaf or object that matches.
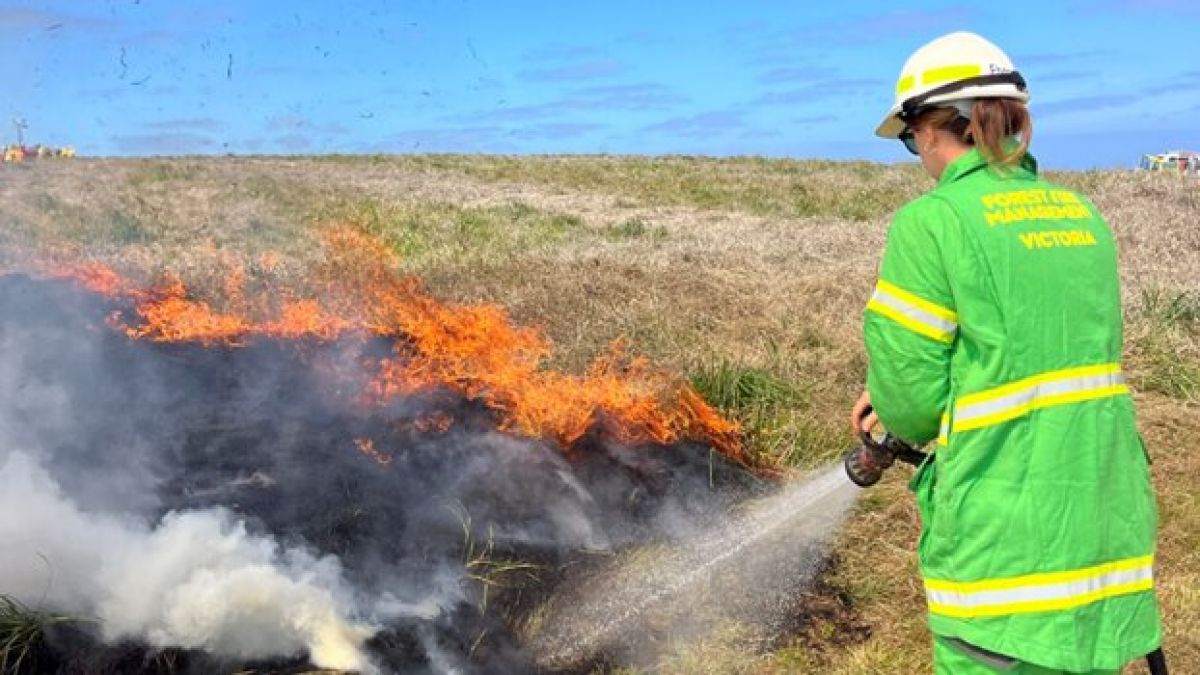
(909, 140)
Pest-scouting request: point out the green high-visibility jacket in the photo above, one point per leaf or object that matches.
(995, 329)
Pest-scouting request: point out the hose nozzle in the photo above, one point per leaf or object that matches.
(866, 463)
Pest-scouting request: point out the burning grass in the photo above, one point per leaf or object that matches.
(473, 350)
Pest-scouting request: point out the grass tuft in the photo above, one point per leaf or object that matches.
(162, 171)
(774, 411)
(1166, 343)
(634, 228)
(21, 633)
(486, 566)
(1172, 308)
(740, 388)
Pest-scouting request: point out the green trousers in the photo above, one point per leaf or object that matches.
(952, 657)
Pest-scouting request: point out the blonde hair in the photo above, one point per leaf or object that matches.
(993, 122)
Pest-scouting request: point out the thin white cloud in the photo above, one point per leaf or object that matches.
(589, 70)
(556, 131)
(704, 124)
(562, 52)
(24, 19)
(186, 124)
(164, 143)
(1081, 104)
(636, 96)
(822, 90)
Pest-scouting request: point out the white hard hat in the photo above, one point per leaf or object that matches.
(955, 67)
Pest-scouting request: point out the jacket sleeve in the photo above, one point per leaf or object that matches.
(910, 324)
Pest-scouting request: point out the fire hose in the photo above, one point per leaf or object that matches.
(866, 463)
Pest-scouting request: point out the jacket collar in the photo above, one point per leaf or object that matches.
(973, 161)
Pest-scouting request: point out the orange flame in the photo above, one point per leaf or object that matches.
(94, 277)
(367, 447)
(433, 423)
(474, 350)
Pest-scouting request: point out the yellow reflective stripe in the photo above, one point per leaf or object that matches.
(913, 312)
(943, 438)
(1039, 578)
(1013, 387)
(917, 301)
(1059, 387)
(951, 73)
(911, 324)
(939, 76)
(1038, 404)
(1030, 606)
(1040, 592)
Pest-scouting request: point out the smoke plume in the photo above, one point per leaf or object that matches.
(196, 579)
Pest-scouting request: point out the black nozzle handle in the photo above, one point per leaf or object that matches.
(890, 444)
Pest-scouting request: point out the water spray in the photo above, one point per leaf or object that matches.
(752, 566)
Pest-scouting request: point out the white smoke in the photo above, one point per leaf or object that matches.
(195, 579)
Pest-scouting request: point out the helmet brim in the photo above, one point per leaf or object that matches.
(891, 126)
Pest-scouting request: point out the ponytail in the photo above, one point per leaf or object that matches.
(996, 120)
(993, 124)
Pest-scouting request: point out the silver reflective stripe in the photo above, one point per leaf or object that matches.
(1039, 390)
(1056, 591)
(913, 312)
(1041, 597)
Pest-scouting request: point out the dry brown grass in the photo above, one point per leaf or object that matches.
(696, 262)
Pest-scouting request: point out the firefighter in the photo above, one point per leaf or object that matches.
(994, 331)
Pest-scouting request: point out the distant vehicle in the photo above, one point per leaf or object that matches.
(1184, 162)
(20, 153)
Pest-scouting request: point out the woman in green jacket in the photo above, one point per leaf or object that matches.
(995, 332)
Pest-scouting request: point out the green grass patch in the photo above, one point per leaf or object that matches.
(1167, 350)
(634, 228)
(1164, 369)
(150, 171)
(769, 187)
(56, 219)
(738, 387)
(423, 231)
(1172, 308)
(773, 411)
(125, 228)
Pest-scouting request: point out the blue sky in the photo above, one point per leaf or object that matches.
(1110, 79)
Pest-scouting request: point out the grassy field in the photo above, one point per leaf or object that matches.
(747, 275)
